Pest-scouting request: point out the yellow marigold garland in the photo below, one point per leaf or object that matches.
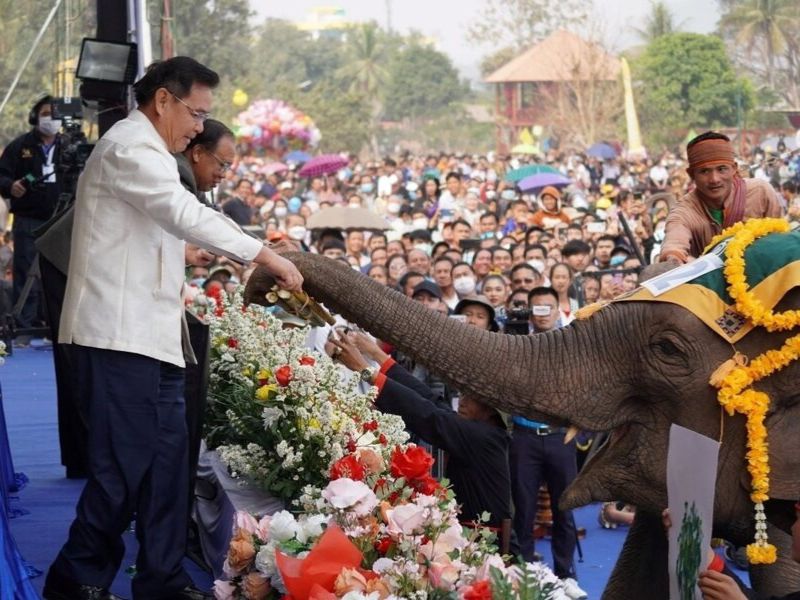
(735, 377)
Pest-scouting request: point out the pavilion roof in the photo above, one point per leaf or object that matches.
(563, 56)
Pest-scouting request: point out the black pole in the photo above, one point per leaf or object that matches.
(630, 237)
(112, 25)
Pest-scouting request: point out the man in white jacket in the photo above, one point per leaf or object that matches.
(122, 313)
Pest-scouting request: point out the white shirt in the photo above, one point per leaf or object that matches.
(126, 268)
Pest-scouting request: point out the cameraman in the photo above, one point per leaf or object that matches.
(28, 179)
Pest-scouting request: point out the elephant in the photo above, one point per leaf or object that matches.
(631, 369)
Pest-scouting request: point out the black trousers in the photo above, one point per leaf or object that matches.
(72, 430)
(535, 459)
(24, 255)
(138, 466)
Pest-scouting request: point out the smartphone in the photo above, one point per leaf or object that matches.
(470, 243)
(596, 227)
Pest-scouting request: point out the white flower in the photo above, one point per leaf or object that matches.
(224, 590)
(312, 525)
(283, 527)
(382, 565)
(270, 415)
(347, 494)
(359, 596)
(265, 561)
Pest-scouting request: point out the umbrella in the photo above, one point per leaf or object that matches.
(325, 164)
(274, 167)
(344, 217)
(771, 143)
(525, 149)
(297, 156)
(602, 150)
(528, 170)
(534, 183)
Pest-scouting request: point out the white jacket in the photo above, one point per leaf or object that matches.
(127, 256)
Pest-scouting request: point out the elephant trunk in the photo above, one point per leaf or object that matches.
(520, 374)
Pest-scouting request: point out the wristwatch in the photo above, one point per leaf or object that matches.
(368, 375)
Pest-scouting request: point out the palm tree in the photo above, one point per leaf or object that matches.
(768, 22)
(364, 69)
(659, 22)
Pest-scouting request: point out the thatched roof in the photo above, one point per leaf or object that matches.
(563, 56)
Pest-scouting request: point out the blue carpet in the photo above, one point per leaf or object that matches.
(29, 397)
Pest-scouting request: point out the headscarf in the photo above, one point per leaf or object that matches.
(713, 152)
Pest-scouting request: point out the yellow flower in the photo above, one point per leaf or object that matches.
(735, 393)
(263, 374)
(264, 391)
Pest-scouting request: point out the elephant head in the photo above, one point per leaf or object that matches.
(631, 369)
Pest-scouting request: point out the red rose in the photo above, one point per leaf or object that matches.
(382, 439)
(308, 360)
(426, 485)
(233, 343)
(351, 445)
(347, 467)
(370, 426)
(383, 544)
(480, 590)
(413, 463)
(283, 375)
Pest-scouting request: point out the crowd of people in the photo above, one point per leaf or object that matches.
(459, 236)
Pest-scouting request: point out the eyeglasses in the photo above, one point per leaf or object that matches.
(224, 166)
(198, 115)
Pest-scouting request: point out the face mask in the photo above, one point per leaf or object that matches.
(297, 233)
(464, 286)
(617, 260)
(537, 264)
(508, 194)
(47, 126)
(281, 211)
(367, 188)
(393, 207)
(420, 223)
(354, 205)
(491, 195)
(198, 282)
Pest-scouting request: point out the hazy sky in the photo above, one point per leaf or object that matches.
(447, 20)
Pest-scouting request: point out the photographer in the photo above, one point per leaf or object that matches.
(28, 179)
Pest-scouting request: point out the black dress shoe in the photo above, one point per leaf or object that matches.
(191, 593)
(59, 587)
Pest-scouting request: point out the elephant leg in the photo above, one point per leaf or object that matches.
(641, 570)
(781, 578)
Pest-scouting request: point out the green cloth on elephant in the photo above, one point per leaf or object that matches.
(772, 267)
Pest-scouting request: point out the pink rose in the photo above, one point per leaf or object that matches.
(355, 496)
(262, 529)
(244, 521)
(405, 519)
(224, 590)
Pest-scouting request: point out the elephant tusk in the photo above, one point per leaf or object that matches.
(570, 435)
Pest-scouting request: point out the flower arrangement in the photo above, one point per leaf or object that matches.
(378, 538)
(274, 126)
(279, 414)
(735, 377)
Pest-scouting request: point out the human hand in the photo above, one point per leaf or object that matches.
(347, 353)
(718, 586)
(368, 347)
(197, 257)
(18, 189)
(284, 271)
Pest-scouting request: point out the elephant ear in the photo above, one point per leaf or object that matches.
(784, 450)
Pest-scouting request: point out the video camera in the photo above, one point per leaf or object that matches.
(74, 149)
(518, 319)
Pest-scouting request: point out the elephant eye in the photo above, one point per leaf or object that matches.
(667, 347)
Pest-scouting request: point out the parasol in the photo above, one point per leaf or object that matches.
(344, 217)
(534, 183)
(528, 170)
(601, 150)
(273, 167)
(325, 164)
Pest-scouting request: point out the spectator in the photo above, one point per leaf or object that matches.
(550, 212)
(464, 280)
(443, 276)
(524, 277)
(561, 282)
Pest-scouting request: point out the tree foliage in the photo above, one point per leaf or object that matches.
(422, 83)
(684, 81)
(764, 38)
(660, 21)
(521, 23)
